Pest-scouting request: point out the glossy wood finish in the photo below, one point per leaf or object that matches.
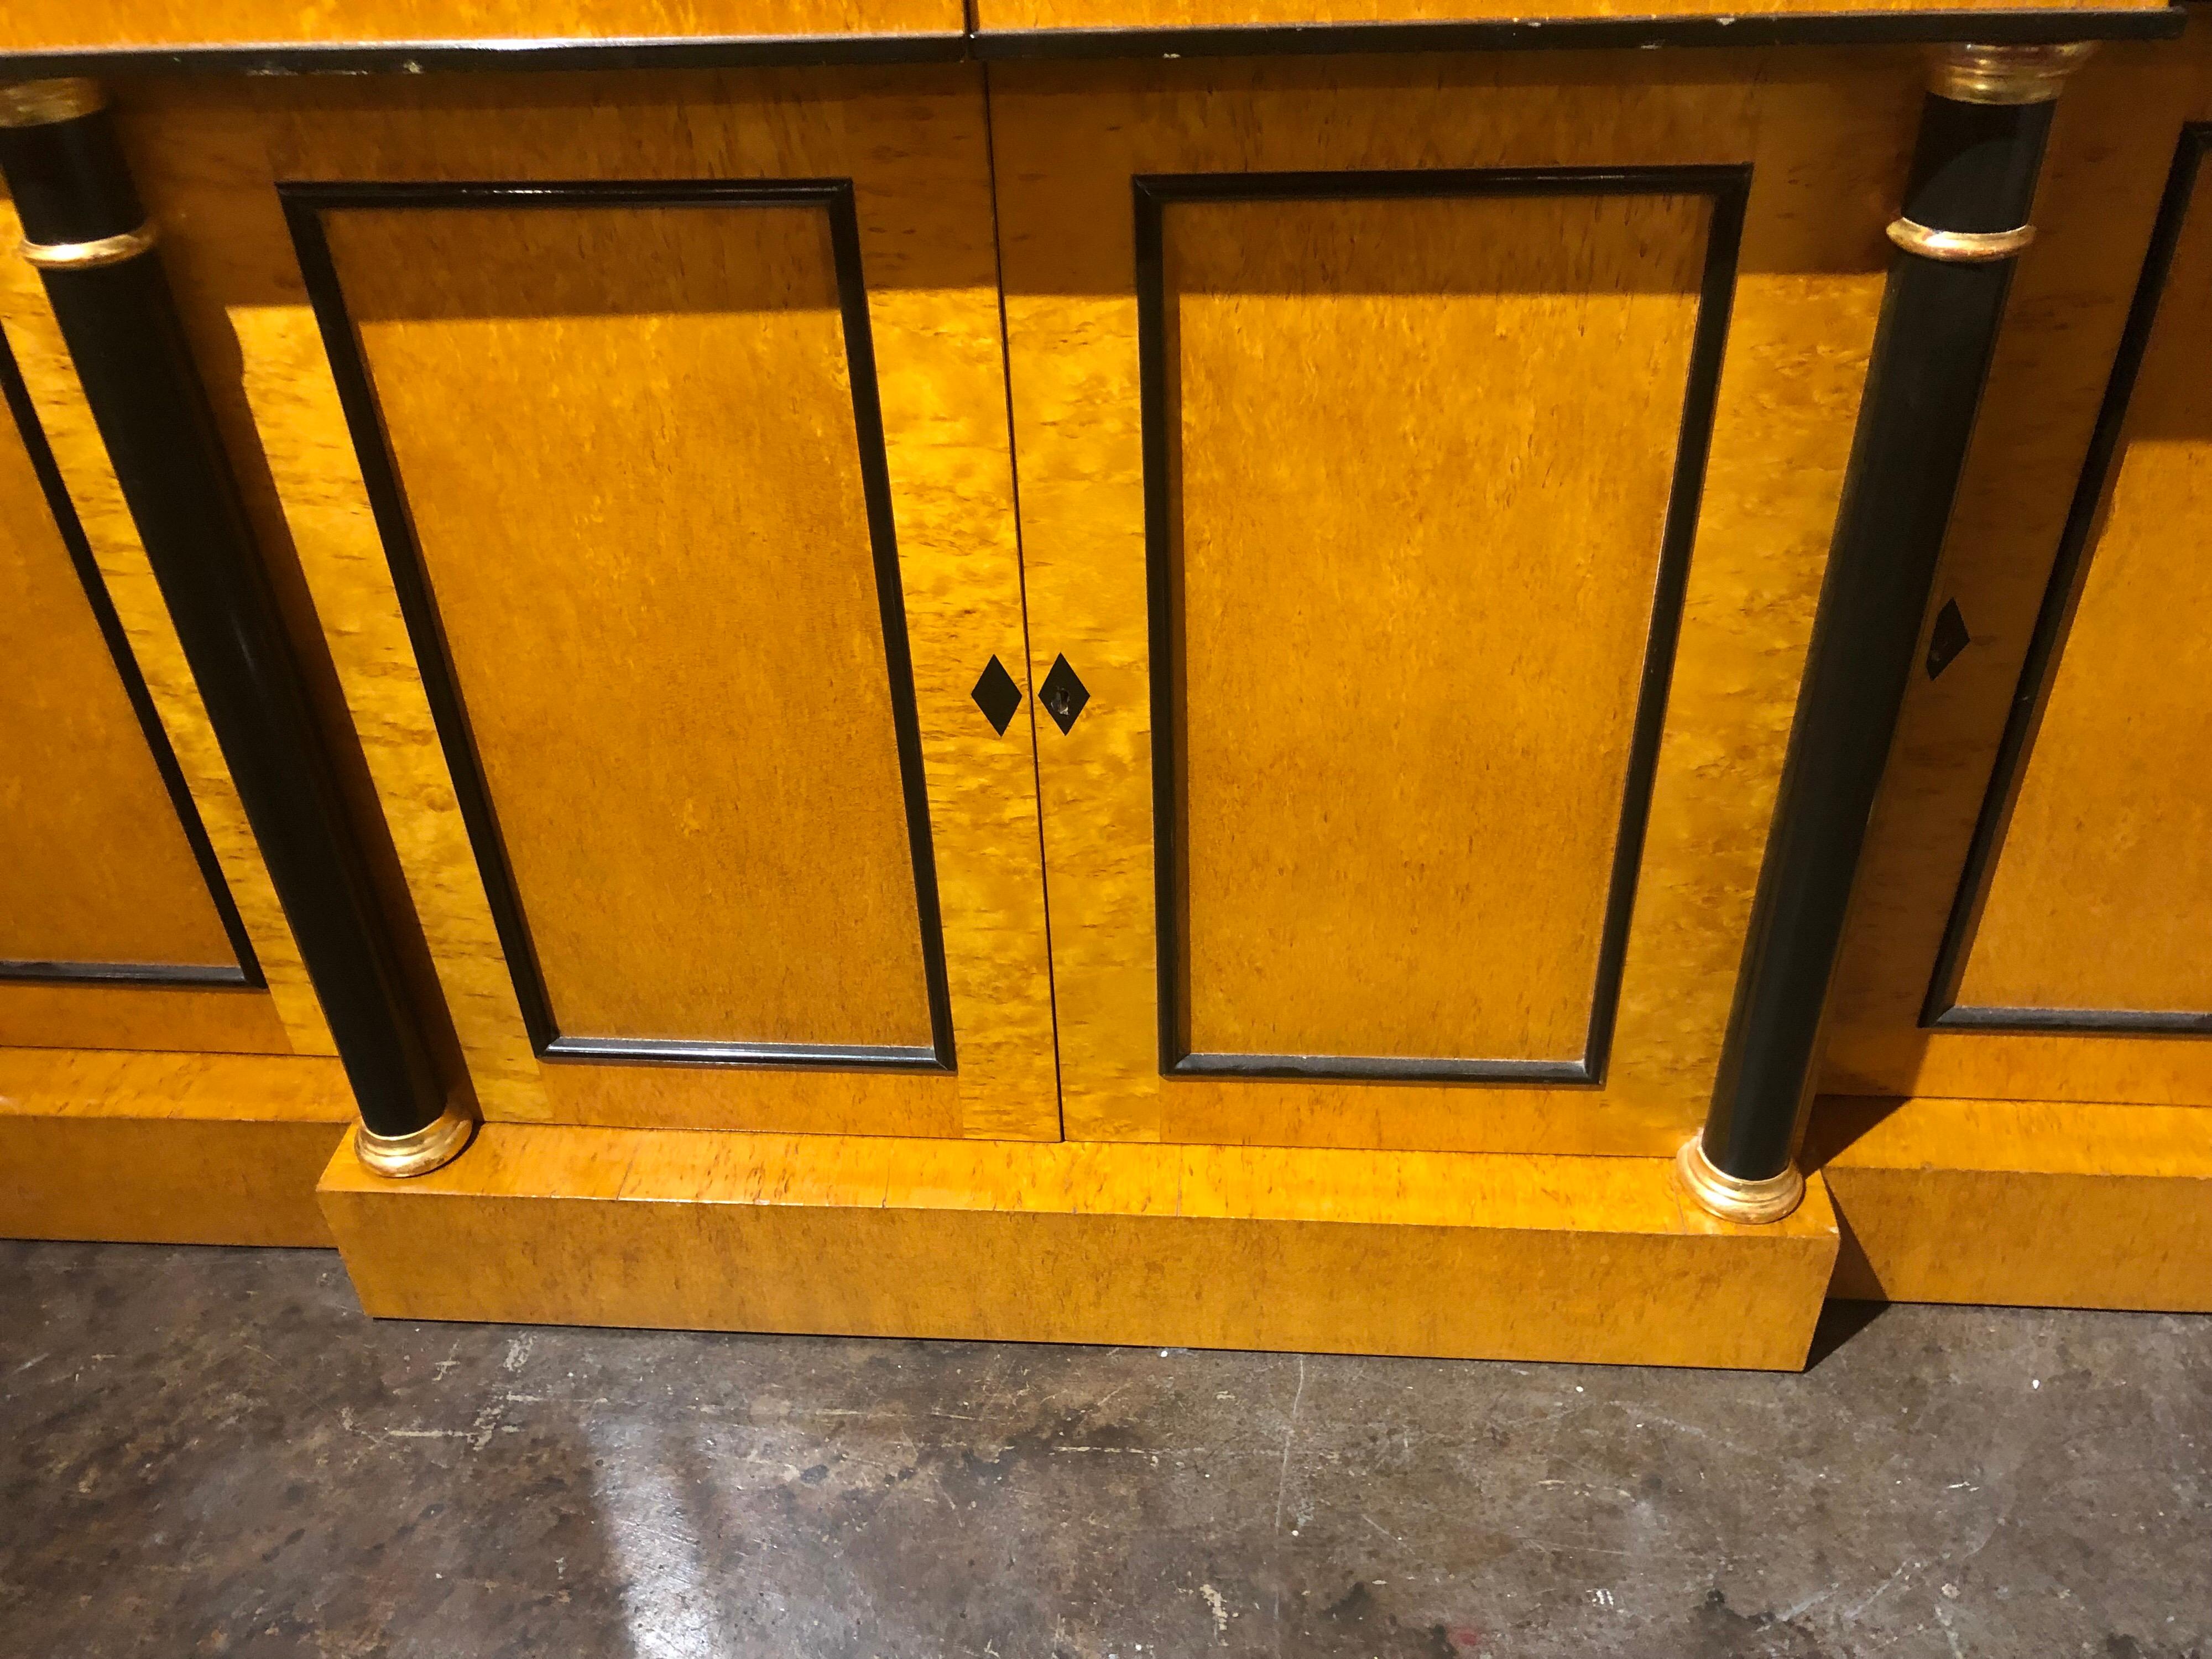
(1825, 141)
(286, 1018)
(2030, 1203)
(913, 141)
(658, 604)
(1535, 1258)
(181, 1149)
(1381, 601)
(156, 1018)
(53, 24)
(2008, 1175)
(95, 866)
(996, 14)
(2112, 910)
(2111, 149)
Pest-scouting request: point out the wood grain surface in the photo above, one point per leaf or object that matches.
(1001, 15)
(34, 24)
(1531, 1258)
(288, 1017)
(1425, 450)
(2109, 905)
(2112, 146)
(913, 143)
(50, 24)
(181, 1149)
(2025, 1203)
(1826, 140)
(653, 579)
(94, 866)
(244, 1087)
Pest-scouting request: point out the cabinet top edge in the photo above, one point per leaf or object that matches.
(2141, 19)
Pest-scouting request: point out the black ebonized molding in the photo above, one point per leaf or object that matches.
(1974, 167)
(155, 975)
(245, 973)
(1386, 1068)
(305, 204)
(1587, 34)
(143, 385)
(512, 57)
(2025, 26)
(1726, 187)
(632, 1051)
(2039, 672)
(2075, 1022)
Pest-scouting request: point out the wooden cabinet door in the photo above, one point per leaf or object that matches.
(2035, 919)
(1426, 477)
(643, 440)
(135, 912)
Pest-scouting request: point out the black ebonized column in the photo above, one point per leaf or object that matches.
(85, 230)
(1964, 220)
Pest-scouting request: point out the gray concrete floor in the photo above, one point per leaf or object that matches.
(213, 1452)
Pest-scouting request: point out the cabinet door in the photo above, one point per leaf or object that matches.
(135, 913)
(2036, 922)
(643, 441)
(1426, 476)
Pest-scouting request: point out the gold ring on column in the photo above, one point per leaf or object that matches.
(1731, 1199)
(1965, 247)
(42, 103)
(90, 256)
(427, 1149)
(2006, 75)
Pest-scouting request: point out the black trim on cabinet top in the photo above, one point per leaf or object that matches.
(304, 206)
(2069, 574)
(2025, 26)
(1727, 186)
(1840, 29)
(245, 974)
(513, 56)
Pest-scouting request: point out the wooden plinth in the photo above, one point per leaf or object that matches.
(167, 1149)
(1451, 1255)
(2029, 1203)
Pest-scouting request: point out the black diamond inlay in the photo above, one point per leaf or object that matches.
(1948, 638)
(1063, 695)
(997, 695)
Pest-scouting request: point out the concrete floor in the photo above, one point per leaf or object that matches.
(213, 1452)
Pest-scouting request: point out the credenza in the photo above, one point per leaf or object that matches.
(1255, 673)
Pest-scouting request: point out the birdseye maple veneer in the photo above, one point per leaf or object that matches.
(1264, 673)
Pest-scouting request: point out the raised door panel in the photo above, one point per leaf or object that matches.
(647, 458)
(1426, 474)
(2065, 955)
(1371, 603)
(2095, 890)
(660, 633)
(117, 925)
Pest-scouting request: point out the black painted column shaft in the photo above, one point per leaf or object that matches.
(85, 230)
(1964, 220)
